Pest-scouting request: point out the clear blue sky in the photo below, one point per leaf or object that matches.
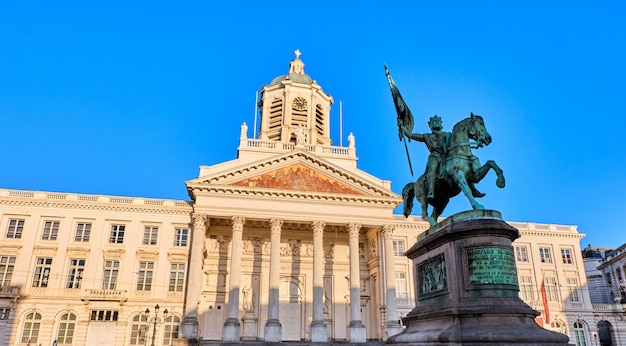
(129, 98)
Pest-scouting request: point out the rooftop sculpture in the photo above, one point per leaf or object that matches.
(451, 167)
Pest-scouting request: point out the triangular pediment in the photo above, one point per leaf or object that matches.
(297, 172)
(300, 178)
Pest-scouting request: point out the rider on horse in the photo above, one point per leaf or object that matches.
(437, 144)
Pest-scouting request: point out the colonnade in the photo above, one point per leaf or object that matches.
(273, 330)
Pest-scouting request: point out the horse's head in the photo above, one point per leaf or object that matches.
(477, 130)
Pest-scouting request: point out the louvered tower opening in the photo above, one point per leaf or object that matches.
(299, 118)
(319, 123)
(275, 119)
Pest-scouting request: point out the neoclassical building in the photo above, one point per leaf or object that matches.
(289, 241)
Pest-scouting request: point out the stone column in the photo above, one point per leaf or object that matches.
(357, 328)
(393, 326)
(189, 326)
(273, 328)
(232, 327)
(319, 331)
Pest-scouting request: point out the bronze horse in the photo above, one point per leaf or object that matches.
(458, 171)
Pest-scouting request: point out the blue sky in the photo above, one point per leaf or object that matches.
(129, 99)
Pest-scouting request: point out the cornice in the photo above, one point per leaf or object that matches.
(255, 193)
(550, 234)
(179, 210)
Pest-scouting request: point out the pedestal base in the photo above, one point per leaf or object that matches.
(319, 332)
(273, 331)
(189, 328)
(467, 289)
(232, 330)
(357, 332)
(394, 329)
(249, 327)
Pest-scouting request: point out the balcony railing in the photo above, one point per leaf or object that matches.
(9, 291)
(250, 144)
(115, 295)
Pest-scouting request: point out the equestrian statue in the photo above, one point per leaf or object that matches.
(451, 167)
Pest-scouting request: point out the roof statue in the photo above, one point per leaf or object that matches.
(451, 166)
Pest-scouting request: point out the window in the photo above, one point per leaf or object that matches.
(117, 234)
(66, 329)
(75, 273)
(558, 327)
(150, 234)
(181, 235)
(567, 256)
(7, 264)
(15, 229)
(83, 231)
(104, 315)
(551, 291)
(526, 289)
(138, 330)
(579, 333)
(398, 247)
(572, 290)
(401, 285)
(50, 230)
(111, 269)
(177, 277)
(42, 272)
(4, 313)
(170, 330)
(30, 332)
(144, 276)
(521, 253)
(544, 253)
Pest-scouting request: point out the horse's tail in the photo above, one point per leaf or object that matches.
(408, 193)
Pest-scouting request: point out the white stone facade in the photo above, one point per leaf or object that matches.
(288, 242)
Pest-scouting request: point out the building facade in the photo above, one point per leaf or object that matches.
(289, 241)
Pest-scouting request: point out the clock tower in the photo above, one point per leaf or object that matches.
(295, 109)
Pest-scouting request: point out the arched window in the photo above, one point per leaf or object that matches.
(67, 324)
(138, 330)
(170, 329)
(30, 332)
(579, 334)
(558, 326)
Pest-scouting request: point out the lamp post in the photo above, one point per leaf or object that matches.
(155, 319)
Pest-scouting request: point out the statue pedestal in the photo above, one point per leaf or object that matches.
(466, 287)
(249, 326)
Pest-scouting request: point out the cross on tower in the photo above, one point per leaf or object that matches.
(297, 53)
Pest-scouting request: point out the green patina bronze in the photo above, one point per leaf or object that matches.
(491, 265)
(432, 276)
(451, 167)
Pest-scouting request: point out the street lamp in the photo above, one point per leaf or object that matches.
(155, 319)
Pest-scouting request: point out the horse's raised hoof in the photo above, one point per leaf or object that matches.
(500, 181)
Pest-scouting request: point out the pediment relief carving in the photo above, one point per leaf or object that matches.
(297, 177)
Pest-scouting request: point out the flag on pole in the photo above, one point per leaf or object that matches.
(544, 298)
(405, 118)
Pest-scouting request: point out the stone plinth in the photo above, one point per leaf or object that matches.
(249, 327)
(466, 287)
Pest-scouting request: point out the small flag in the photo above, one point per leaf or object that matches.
(544, 298)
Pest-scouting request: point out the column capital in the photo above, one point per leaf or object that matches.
(238, 222)
(353, 229)
(318, 226)
(199, 220)
(388, 230)
(276, 224)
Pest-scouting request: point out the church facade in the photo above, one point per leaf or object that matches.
(290, 241)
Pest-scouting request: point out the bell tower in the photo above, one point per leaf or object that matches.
(295, 109)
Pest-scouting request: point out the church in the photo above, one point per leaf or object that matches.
(289, 241)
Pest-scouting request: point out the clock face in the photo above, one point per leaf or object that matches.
(299, 103)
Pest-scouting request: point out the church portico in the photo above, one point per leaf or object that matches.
(293, 280)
